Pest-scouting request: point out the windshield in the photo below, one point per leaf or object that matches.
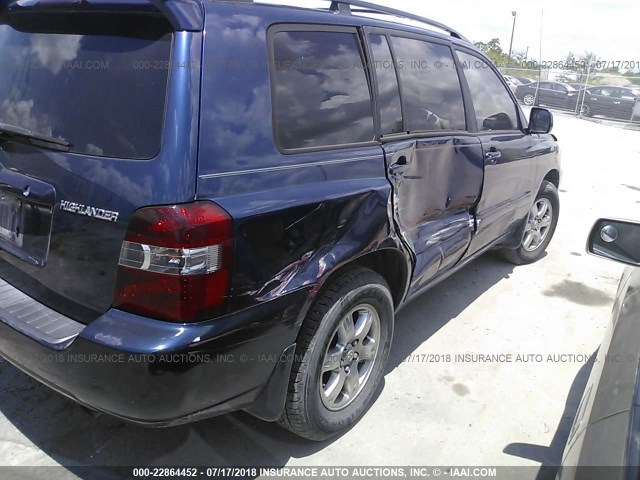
(104, 94)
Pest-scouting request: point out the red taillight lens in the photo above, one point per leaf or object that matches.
(175, 263)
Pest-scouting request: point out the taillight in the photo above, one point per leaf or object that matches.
(175, 263)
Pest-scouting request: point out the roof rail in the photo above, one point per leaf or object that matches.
(344, 7)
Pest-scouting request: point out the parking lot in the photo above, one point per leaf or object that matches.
(442, 403)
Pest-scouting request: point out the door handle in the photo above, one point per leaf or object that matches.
(493, 156)
(400, 166)
(617, 103)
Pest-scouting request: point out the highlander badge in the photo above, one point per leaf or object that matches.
(88, 211)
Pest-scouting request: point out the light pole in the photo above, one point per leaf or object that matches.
(513, 30)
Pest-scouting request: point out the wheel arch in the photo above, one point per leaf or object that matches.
(553, 176)
(390, 263)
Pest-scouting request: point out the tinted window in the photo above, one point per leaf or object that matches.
(321, 91)
(430, 86)
(388, 90)
(103, 94)
(626, 94)
(495, 110)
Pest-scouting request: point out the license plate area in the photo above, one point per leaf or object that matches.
(26, 216)
(11, 220)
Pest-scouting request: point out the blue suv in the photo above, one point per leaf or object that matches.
(218, 206)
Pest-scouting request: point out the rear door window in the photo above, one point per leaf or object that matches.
(430, 86)
(388, 89)
(494, 107)
(321, 92)
(104, 94)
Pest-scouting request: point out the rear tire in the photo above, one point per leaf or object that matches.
(540, 227)
(341, 353)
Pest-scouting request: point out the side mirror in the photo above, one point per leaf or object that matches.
(540, 120)
(617, 240)
(499, 121)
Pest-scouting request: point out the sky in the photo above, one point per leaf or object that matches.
(610, 29)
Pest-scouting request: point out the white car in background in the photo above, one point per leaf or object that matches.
(512, 82)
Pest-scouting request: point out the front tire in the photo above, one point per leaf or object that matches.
(585, 110)
(342, 351)
(540, 227)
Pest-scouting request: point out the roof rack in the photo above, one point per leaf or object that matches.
(344, 7)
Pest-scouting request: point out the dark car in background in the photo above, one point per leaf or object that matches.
(604, 441)
(237, 216)
(524, 80)
(613, 102)
(580, 86)
(551, 94)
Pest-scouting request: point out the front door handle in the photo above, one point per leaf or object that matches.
(493, 156)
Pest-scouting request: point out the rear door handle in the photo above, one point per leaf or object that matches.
(400, 166)
(493, 156)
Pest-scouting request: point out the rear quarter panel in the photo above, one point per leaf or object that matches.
(297, 217)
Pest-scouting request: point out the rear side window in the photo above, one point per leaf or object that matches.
(388, 90)
(495, 110)
(430, 86)
(104, 94)
(321, 92)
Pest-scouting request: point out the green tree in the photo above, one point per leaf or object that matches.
(494, 51)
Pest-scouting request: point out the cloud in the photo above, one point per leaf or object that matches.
(54, 51)
(20, 113)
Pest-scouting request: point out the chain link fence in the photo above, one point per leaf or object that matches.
(585, 92)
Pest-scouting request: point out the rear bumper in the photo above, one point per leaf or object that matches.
(161, 374)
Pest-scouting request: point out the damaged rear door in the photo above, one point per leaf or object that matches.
(434, 164)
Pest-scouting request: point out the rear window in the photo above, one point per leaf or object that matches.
(321, 92)
(104, 94)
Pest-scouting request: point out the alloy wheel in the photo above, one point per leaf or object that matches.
(350, 357)
(538, 225)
